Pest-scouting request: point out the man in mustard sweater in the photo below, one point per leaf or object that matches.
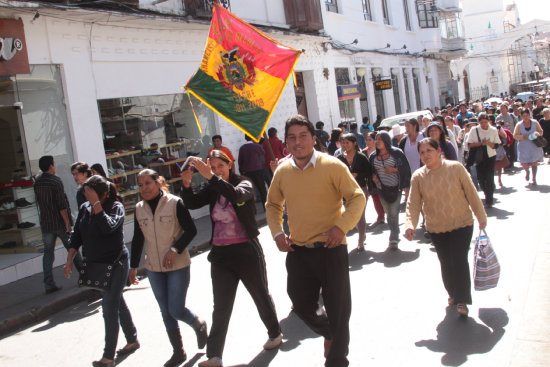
(313, 186)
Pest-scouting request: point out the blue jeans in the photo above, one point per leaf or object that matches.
(170, 290)
(473, 173)
(48, 258)
(392, 214)
(115, 311)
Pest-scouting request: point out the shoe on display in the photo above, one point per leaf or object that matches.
(22, 203)
(6, 226)
(24, 225)
(9, 244)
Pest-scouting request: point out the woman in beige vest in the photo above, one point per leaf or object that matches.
(166, 228)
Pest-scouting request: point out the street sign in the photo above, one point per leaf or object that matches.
(382, 84)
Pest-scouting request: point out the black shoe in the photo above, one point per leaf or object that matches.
(52, 290)
(24, 225)
(101, 364)
(131, 349)
(22, 203)
(9, 244)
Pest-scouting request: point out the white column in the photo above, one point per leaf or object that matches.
(389, 104)
(370, 95)
(402, 98)
(412, 92)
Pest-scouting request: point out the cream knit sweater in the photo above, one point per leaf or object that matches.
(446, 195)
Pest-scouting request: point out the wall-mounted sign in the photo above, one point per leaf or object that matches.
(13, 48)
(348, 91)
(382, 84)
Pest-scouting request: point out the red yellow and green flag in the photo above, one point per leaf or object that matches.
(243, 72)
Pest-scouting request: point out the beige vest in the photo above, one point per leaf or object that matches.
(160, 232)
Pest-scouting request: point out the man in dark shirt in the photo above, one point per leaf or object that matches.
(55, 218)
(321, 134)
(251, 164)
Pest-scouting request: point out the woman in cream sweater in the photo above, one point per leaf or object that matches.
(449, 221)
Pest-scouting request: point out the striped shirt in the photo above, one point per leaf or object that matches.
(391, 179)
(51, 199)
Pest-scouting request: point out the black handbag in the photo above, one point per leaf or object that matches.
(540, 141)
(389, 193)
(475, 155)
(97, 275)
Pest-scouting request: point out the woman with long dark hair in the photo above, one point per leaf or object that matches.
(371, 148)
(164, 226)
(99, 231)
(361, 170)
(449, 221)
(81, 172)
(236, 253)
(436, 131)
(334, 141)
(392, 174)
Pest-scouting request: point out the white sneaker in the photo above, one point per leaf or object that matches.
(273, 343)
(212, 362)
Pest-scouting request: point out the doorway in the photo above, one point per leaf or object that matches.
(300, 93)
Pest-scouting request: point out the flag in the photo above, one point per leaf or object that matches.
(243, 72)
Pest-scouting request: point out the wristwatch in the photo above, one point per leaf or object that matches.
(174, 249)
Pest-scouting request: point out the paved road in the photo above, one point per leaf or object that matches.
(399, 317)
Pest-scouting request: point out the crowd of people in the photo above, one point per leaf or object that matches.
(438, 161)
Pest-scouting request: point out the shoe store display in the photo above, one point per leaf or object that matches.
(22, 203)
(7, 206)
(6, 226)
(9, 244)
(24, 225)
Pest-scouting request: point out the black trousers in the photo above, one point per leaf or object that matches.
(452, 250)
(257, 178)
(486, 178)
(311, 271)
(229, 264)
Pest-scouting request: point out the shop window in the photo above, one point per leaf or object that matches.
(347, 111)
(157, 132)
(395, 88)
(33, 123)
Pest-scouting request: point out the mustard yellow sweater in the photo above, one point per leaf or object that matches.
(445, 194)
(314, 199)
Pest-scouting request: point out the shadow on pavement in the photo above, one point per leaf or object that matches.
(191, 362)
(498, 213)
(458, 337)
(74, 314)
(389, 258)
(295, 330)
(543, 189)
(263, 359)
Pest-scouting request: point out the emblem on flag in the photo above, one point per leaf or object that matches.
(243, 72)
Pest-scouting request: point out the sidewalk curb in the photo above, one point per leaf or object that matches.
(41, 313)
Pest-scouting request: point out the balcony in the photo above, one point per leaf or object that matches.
(304, 15)
(448, 5)
(203, 8)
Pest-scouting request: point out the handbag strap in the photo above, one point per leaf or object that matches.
(477, 132)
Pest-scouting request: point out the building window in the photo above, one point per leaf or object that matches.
(450, 26)
(332, 5)
(395, 87)
(426, 10)
(366, 10)
(385, 12)
(407, 17)
(347, 111)
(416, 84)
(407, 91)
(157, 132)
(342, 76)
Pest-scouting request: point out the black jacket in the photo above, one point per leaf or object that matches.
(360, 165)
(238, 191)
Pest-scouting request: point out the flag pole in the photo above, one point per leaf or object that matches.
(269, 149)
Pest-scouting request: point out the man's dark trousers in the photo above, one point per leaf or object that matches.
(311, 270)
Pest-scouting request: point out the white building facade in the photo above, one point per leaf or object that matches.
(502, 52)
(105, 84)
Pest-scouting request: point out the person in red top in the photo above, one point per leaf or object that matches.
(279, 150)
(217, 144)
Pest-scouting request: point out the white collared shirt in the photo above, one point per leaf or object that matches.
(311, 162)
